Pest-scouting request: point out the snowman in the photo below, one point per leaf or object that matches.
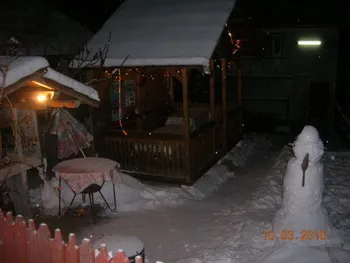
(302, 212)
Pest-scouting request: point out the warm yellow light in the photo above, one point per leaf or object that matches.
(41, 98)
(41, 84)
(309, 43)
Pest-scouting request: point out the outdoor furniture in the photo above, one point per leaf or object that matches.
(87, 176)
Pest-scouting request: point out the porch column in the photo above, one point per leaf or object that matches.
(224, 100)
(239, 95)
(212, 101)
(186, 119)
(171, 88)
(138, 92)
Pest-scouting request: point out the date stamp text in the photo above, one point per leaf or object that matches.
(290, 235)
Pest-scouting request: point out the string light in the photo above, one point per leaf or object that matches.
(120, 102)
(236, 45)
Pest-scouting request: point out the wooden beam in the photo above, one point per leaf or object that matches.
(239, 85)
(212, 89)
(138, 92)
(23, 81)
(239, 96)
(171, 88)
(173, 72)
(212, 100)
(224, 100)
(71, 104)
(61, 88)
(187, 128)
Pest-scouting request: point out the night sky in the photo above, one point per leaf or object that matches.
(93, 14)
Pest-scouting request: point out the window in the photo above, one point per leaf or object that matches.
(272, 45)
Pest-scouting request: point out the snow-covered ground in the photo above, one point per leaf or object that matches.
(223, 216)
(228, 225)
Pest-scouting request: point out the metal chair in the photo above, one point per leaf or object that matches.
(90, 191)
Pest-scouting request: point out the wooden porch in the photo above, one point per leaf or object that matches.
(178, 152)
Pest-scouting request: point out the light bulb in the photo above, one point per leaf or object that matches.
(41, 98)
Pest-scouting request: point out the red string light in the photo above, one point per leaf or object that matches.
(120, 103)
(236, 45)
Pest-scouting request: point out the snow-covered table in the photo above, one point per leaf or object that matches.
(80, 173)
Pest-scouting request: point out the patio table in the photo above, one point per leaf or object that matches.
(82, 173)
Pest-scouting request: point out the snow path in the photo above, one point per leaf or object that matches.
(174, 234)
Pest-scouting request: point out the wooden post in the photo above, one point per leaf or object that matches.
(212, 89)
(224, 101)
(138, 91)
(122, 93)
(239, 96)
(239, 86)
(187, 128)
(212, 100)
(171, 87)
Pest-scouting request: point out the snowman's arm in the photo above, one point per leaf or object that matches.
(305, 163)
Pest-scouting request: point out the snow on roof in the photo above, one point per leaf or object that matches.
(72, 83)
(22, 67)
(162, 33)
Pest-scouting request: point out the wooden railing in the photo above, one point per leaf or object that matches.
(163, 156)
(24, 243)
(151, 154)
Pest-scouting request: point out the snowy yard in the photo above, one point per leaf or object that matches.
(226, 223)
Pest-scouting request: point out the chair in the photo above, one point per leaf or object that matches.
(90, 191)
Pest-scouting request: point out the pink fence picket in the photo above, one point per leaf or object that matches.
(20, 243)
(20, 238)
(32, 243)
(72, 250)
(9, 240)
(102, 256)
(44, 244)
(2, 234)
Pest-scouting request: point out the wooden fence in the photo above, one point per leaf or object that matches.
(23, 243)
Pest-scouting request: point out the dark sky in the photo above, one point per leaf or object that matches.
(94, 13)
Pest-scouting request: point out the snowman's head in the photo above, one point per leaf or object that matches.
(308, 141)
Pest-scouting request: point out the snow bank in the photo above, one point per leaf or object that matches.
(132, 195)
(243, 241)
(269, 194)
(240, 156)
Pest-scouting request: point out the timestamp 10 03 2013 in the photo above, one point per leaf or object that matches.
(304, 235)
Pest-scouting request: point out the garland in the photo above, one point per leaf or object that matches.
(120, 103)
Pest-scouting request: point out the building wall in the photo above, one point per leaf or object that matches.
(281, 76)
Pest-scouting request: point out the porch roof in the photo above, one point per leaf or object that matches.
(25, 68)
(161, 33)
